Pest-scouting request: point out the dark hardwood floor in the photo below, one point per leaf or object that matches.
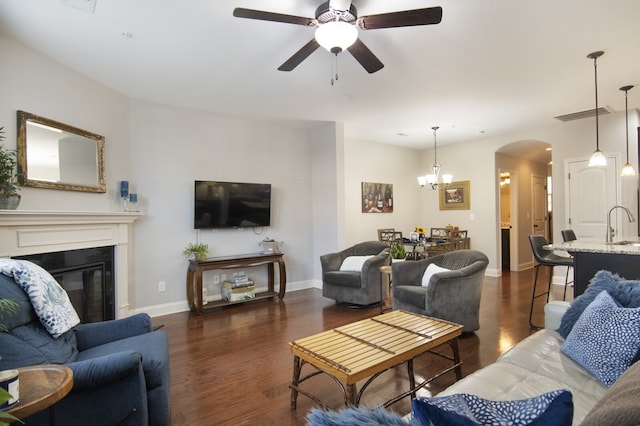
(233, 366)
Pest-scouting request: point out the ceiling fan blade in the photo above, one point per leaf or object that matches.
(299, 56)
(365, 56)
(240, 12)
(406, 18)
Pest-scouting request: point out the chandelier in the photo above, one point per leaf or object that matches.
(434, 179)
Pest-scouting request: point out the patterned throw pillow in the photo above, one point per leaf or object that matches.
(605, 339)
(50, 301)
(552, 408)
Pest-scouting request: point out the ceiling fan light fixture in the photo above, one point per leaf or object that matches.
(336, 36)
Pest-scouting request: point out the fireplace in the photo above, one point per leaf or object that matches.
(28, 232)
(87, 277)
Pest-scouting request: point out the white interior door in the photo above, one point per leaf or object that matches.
(539, 205)
(592, 191)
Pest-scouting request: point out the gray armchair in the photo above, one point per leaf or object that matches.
(356, 287)
(453, 295)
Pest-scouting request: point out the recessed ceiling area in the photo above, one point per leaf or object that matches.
(536, 151)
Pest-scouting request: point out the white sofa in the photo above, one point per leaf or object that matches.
(535, 366)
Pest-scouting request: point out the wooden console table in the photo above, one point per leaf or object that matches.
(197, 267)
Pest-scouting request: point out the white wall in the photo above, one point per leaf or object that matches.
(373, 162)
(327, 176)
(31, 82)
(172, 147)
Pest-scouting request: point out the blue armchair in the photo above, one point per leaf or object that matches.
(120, 368)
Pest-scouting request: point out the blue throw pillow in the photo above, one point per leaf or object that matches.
(605, 339)
(356, 417)
(552, 408)
(625, 292)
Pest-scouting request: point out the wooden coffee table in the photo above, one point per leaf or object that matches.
(365, 349)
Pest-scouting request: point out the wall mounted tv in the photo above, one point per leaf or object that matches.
(231, 204)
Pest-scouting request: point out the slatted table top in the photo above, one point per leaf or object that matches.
(359, 350)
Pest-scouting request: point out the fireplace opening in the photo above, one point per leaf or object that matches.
(87, 275)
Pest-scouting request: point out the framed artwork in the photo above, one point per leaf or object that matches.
(377, 197)
(456, 196)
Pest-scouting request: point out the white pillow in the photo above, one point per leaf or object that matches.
(354, 263)
(432, 268)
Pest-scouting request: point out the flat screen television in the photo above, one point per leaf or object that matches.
(231, 204)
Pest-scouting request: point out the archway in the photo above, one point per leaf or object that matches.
(524, 162)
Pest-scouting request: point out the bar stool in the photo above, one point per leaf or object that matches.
(548, 258)
(568, 235)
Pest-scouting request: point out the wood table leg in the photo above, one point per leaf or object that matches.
(412, 378)
(198, 292)
(456, 357)
(282, 274)
(297, 366)
(190, 291)
(350, 396)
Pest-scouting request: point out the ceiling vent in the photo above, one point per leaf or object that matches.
(583, 114)
(84, 5)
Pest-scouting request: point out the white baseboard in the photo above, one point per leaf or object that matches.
(183, 306)
(493, 272)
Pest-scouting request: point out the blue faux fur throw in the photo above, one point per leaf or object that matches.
(357, 417)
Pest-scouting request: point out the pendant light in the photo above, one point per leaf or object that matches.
(627, 169)
(597, 158)
(433, 179)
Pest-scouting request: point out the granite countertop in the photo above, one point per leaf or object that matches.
(624, 246)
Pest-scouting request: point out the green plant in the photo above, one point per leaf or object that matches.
(198, 250)
(7, 306)
(8, 177)
(397, 250)
(270, 240)
(5, 417)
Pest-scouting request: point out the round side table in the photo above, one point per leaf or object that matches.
(41, 386)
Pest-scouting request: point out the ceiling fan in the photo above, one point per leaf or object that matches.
(337, 25)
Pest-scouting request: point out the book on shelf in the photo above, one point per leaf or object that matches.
(237, 294)
(239, 278)
(238, 284)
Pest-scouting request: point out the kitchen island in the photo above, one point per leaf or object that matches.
(589, 257)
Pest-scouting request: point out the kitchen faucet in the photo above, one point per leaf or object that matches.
(610, 230)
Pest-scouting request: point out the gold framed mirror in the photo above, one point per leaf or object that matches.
(55, 155)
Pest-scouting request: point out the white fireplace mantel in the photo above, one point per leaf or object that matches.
(26, 232)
